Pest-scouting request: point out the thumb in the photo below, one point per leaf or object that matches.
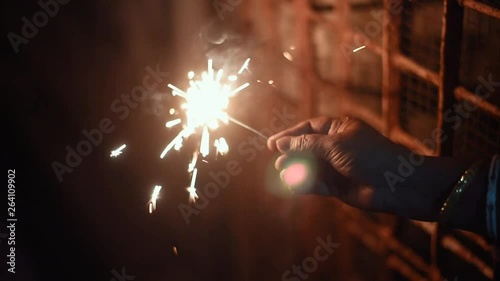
(309, 142)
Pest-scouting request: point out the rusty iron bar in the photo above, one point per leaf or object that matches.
(390, 75)
(384, 236)
(482, 8)
(462, 93)
(409, 65)
(372, 242)
(453, 245)
(451, 33)
(304, 51)
(404, 269)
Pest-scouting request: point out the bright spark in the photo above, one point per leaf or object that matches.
(192, 189)
(205, 142)
(244, 66)
(222, 146)
(154, 197)
(172, 123)
(232, 78)
(192, 165)
(191, 75)
(118, 151)
(359, 48)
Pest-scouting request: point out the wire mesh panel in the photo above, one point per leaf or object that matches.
(481, 55)
(419, 101)
(478, 136)
(421, 32)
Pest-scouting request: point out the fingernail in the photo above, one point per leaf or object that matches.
(283, 144)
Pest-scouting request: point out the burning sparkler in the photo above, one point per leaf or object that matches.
(206, 102)
(118, 151)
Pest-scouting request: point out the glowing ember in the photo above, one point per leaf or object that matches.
(154, 197)
(359, 48)
(244, 66)
(172, 123)
(118, 151)
(221, 146)
(192, 189)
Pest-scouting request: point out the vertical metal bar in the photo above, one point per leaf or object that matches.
(344, 32)
(305, 56)
(451, 38)
(390, 74)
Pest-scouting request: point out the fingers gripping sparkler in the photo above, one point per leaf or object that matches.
(206, 102)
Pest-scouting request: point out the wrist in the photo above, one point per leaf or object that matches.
(465, 205)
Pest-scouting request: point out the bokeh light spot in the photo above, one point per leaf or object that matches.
(295, 174)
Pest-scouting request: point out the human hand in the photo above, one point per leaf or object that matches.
(352, 159)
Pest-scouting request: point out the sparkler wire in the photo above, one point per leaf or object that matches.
(247, 127)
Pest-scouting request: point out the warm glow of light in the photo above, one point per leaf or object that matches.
(222, 146)
(172, 123)
(118, 151)
(292, 47)
(271, 82)
(192, 189)
(205, 105)
(172, 111)
(205, 109)
(359, 48)
(288, 56)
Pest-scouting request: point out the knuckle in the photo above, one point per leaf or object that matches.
(302, 142)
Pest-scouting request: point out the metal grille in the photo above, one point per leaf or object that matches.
(481, 56)
(478, 136)
(419, 102)
(421, 31)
